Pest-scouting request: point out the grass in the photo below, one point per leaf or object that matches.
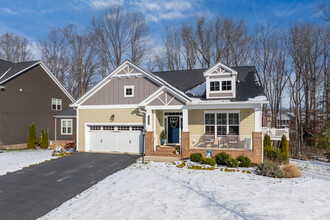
(17, 149)
(291, 171)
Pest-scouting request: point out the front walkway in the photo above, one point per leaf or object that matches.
(32, 192)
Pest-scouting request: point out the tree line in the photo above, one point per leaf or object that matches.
(293, 62)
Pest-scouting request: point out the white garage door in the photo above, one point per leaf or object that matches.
(115, 138)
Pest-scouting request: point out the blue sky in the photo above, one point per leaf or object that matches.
(34, 18)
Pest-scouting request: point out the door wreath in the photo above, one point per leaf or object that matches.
(173, 122)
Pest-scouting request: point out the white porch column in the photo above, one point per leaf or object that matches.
(257, 118)
(185, 127)
(149, 120)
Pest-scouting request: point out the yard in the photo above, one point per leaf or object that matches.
(14, 160)
(163, 191)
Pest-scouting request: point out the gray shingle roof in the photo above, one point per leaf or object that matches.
(66, 113)
(9, 69)
(248, 85)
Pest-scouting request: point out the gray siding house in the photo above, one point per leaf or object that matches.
(29, 93)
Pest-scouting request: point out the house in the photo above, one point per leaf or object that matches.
(283, 121)
(29, 93)
(206, 110)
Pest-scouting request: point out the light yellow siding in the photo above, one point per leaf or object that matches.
(159, 125)
(103, 116)
(196, 121)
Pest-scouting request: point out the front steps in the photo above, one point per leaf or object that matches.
(166, 151)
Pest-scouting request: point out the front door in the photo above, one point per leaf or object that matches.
(173, 130)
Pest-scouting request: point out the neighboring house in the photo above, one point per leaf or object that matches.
(29, 93)
(283, 121)
(216, 109)
(65, 125)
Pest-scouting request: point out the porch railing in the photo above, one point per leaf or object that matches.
(276, 133)
(221, 141)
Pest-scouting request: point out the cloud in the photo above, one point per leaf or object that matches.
(100, 4)
(9, 11)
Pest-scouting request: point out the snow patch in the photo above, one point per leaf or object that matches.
(198, 90)
(256, 79)
(259, 98)
(163, 191)
(11, 161)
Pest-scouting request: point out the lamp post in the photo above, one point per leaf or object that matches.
(143, 149)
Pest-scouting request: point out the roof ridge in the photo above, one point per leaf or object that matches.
(167, 71)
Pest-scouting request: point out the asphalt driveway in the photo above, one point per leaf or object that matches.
(32, 192)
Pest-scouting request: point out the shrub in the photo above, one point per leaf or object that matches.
(222, 158)
(323, 138)
(275, 154)
(196, 157)
(244, 161)
(32, 137)
(232, 163)
(209, 161)
(162, 134)
(183, 164)
(284, 147)
(291, 171)
(328, 155)
(59, 152)
(267, 140)
(270, 169)
(44, 138)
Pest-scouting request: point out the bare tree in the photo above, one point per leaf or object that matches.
(188, 51)
(15, 48)
(119, 33)
(54, 53)
(84, 64)
(325, 11)
(173, 49)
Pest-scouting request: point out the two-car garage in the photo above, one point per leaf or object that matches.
(114, 138)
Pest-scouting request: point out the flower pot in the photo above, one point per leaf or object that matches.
(162, 141)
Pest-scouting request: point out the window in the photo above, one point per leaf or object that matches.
(56, 104)
(222, 123)
(95, 128)
(108, 128)
(215, 86)
(226, 85)
(123, 128)
(128, 91)
(66, 126)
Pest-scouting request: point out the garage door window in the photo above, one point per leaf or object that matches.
(137, 128)
(123, 128)
(95, 128)
(109, 128)
(66, 126)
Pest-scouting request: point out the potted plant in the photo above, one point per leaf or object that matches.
(177, 151)
(163, 137)
(157, 147)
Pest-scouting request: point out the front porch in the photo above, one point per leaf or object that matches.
(204, 131)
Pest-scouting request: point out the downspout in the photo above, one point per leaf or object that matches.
(55, 130)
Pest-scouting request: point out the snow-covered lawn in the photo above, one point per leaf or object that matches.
(11, 161)
(163, 191)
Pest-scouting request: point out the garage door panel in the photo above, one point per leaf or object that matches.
(112, 138)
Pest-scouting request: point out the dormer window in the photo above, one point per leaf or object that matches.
(226, 85)
(128, 91)
(215, 86)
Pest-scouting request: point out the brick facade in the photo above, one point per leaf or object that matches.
(149, 143)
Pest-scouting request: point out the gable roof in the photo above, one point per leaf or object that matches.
(9, 70)
(248, 85)
(68, 112)
(117, 71)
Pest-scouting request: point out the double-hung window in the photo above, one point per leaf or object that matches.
(56, 104)
(222, 123)
(215, 86)
(226, 85)
(66, 126)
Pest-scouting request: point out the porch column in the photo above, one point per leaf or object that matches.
(149, 120)
(257, 118)
(185, 127)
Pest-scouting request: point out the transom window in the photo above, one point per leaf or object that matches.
(222, 123)
(215, 86)
(66, 126)
(128, 91)
(226, 85)
(56, 104)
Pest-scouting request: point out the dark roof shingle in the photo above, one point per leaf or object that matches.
(67, 112)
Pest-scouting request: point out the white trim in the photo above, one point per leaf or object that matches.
(220, 86)
(77, 130)
(258, 118)
(164, 107)
(29, 67)
(209, 71)
(224, 105)
(129, 87)
(185, 127)
(5, 73)
(67, 120)
(65, 116)
(148, 118)
(106, 106)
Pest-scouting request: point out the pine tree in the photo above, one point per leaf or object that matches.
(267, 141)
(42, 141)
(46, 138)
(284, 146)
(31, 141)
